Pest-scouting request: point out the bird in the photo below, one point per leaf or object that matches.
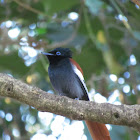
(66, 77)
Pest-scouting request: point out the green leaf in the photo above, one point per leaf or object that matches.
(13, 64)
(54, 6)
(40, 31)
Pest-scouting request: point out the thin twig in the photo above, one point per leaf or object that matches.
(35, 10)
(67, 41)
(136, 2)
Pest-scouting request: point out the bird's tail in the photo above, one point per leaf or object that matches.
(98, 131)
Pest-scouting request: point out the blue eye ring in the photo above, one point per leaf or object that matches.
(58, 53)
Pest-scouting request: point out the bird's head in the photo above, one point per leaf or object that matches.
(58, 54)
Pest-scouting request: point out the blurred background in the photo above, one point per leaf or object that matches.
(104, 36)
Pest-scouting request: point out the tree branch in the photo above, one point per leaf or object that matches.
(28, 7)
(128, 115)
(136, 2)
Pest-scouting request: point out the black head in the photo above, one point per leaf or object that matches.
(58, 54)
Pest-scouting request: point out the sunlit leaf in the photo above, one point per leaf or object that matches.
(101, 37)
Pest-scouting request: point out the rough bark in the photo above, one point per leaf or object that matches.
(128, 115)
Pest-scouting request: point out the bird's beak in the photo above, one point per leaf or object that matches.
(47, 53)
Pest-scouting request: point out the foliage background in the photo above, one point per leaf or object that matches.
(104, 36)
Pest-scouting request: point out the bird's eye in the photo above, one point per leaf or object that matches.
(58, 53)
